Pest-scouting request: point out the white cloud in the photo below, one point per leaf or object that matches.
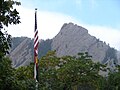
(109, 35)
(49, 24)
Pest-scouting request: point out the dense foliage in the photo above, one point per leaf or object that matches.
(59, 73)
(15, 79)
(8, 16)
(68, 73)
(113, 80)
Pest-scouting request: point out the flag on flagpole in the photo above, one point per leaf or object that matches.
(36, 42)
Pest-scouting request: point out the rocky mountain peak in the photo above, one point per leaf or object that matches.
(73, 39)
(71, 28)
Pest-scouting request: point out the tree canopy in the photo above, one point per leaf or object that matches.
(59, 73)
(67, 73)
(8, 15)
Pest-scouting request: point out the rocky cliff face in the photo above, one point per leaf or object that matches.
(73, 39)
(22, 54)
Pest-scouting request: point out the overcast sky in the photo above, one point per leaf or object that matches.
(100, 17)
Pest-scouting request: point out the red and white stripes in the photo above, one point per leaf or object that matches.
(36, 43)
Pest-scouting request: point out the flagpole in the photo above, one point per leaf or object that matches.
(36, 42)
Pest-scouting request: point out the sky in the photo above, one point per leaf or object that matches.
(100, 17)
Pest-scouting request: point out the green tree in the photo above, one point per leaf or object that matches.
(113, 80)
(8, 16)
(24, 78)
(7, 79)
(69, 73)
(16, 79)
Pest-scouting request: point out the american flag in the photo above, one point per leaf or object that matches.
(36, 42)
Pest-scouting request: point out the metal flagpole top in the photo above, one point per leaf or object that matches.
(35, 9)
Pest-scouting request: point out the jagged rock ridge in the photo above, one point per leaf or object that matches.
(73, 39)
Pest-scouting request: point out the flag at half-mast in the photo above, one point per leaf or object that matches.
(36, 43)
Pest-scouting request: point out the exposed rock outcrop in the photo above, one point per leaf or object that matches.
(22, 54)
(73, 39)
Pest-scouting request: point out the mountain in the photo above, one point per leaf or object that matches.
(22, 53)
(71, 40)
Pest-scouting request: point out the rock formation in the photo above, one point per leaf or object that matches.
(73, 39)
